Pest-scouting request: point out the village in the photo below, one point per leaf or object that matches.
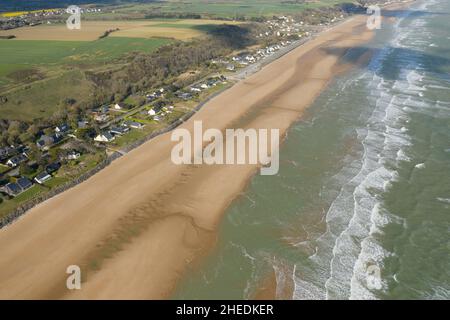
(62, 153)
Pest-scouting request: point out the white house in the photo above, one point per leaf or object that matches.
(118, 106)
(104, 137)
(42, 177)
(151, 112)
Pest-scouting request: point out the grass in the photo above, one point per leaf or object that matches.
(55, 182)
(44, 97)
(9, 205)
(230, 9)
(38, 52)
(3, 168)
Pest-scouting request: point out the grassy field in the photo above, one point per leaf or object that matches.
(34, 52)
(229, 9)
(8, 205)
(92, 30)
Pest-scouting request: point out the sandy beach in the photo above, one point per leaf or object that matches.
(135, 226)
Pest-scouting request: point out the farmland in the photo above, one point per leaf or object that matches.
(93, 30)
(228, 9)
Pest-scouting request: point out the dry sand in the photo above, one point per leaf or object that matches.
(135, 226)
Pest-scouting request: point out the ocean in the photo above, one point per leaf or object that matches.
(361, 206)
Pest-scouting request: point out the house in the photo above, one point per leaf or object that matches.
(135, 125)
(42, 177)
(151, 112)
(73, 155)
(196, 89)
(45, 141)
(104, 137)
(16, 160)
(13, 189)
(119, 106)
(52, 167)
(185, 95)
(24, 183)
(204, 86)
(101, 117)
(82, 124)
(6, 152)
(119, 130)
(231, 67)
(64, 128)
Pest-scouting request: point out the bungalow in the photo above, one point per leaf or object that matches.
(104, 137)
(64, 128)
(119, 106)
(135, 125)
(231, 67)
(45, 141)
(196, 89)
(101, 117)
(52, 167)
(6, 152)
(12, 189)
(82, 124)
(119, 130)
(15, 188)
(185, 95)
(24, 183)
(16, 160)
(42, 177)
(73, 155)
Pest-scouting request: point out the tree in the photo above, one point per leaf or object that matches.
(25, 169)
(362, 3)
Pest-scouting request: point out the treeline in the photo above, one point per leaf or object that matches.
(145, 71)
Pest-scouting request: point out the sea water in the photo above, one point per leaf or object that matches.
(361, 206)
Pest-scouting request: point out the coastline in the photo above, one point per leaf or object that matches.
(149, 205)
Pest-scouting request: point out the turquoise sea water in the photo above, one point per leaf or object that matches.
(361, 206)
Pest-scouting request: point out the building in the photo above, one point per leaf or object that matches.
(135, 125)
(15, 188)
(6, 152)
(12, 189)
(45, 141)
(24, 183)
(52, 167)
(119, 106)
(64, 128)
(42, 177)
(104, 137)
(73, 155)
(16, 160)
(119, 130)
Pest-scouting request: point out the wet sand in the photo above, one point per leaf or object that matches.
(135, 226)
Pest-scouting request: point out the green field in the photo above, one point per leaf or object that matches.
(35, 52)
(229, 9)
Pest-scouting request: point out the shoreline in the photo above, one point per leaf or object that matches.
(148, 205)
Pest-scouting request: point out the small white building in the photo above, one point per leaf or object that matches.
(151, 112)
(104, 137)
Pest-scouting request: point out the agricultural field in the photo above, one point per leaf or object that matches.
(229, 9)
(93, 30)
